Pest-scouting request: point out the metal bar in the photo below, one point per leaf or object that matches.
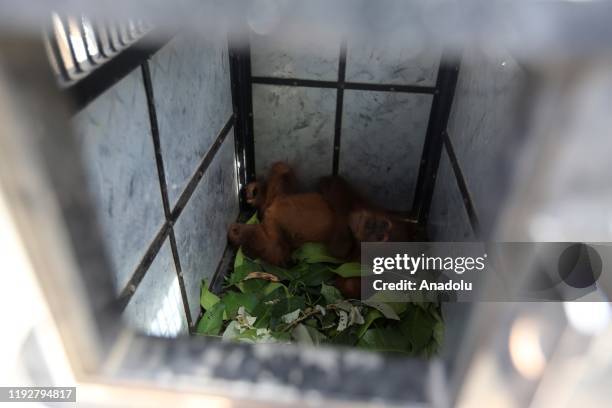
(339, 106)
(122, 34)
(181, 280)
(238, 137)
(143, 266)
(81, 24)
(101, 32)
(57, 54)
(432, 149)
(240, 74)
(223, 269)
(148, 84)
(415, 89)
(66, 27)
(359, 86)
(199, 173)
(90, 87)
(113, 36)
(309, 83)
(465, 193)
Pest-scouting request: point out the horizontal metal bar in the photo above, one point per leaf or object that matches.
(416, 89)
(358, 86)
(309, 83)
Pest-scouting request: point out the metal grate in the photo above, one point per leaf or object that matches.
(76, 45)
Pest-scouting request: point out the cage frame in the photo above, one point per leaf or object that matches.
(107, 308)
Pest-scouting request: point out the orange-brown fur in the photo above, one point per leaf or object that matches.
(336, 216)
(289, 222)
(281, 181)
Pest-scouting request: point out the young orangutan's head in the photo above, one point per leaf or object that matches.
(255, 193)
(369, 226)
(249, 237)
(239, 234)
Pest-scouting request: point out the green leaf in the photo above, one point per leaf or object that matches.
(307, 335)
(239, 259)
(254, 219)
(418, 327)
(272, 286)
(207, 298)
(384, 308)
(288, 305)
(385, 340)
(348, 270)
(212, 320)
(242, 268)
(233, 301)
(438, 333)
(260, 286)
(312, 252)
(253, 285)
(316, 274)
(347, 337)
(330, 294)
(263, 310)
(399, 308)
(371, 316)
(282, 273)
(232, 331)
(328, 320)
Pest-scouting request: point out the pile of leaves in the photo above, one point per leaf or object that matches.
(264, 303)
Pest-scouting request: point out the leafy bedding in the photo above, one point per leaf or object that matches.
(265, 303)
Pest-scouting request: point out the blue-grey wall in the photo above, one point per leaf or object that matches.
(382, 143)
(382, 133)
(192, 102)
(481, 126)
(115, 134)
(296, 125)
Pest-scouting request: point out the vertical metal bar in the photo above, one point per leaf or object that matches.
(339, 107)
(57, 54)
(238, 139)
(113, 36)
(242, 99)
(66, 28)
(122, 34)
(148, 84)
(461, 183)
(434, 139)
(81, 25)
(101, 37)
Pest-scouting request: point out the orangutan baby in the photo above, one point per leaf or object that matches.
(366, 222)
(336, 216)
(288, 219)
(281, 181)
